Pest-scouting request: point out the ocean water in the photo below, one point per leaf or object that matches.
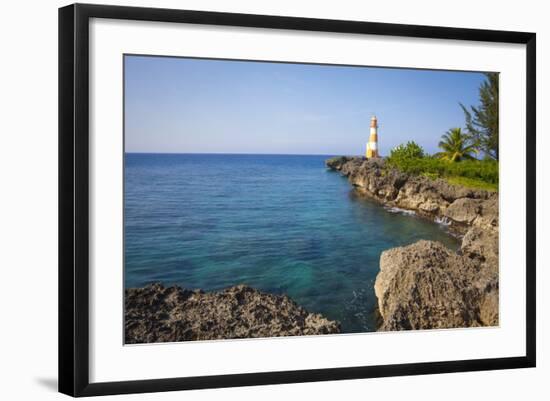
(282, 224)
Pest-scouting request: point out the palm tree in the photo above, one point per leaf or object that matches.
(457, 146)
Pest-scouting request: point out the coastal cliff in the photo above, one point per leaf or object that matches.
(169, 314)
(426, 285)
(455, 205)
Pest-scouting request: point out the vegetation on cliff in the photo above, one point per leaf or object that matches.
(468, 157)
(457, 146)
(473, 173)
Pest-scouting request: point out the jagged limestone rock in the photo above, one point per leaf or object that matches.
(168, 314)
(425, 286)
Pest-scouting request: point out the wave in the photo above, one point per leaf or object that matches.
(401, 211)
(444, 221)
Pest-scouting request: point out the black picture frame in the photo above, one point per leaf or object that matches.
(74, 198)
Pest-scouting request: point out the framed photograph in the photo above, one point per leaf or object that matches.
(251, 199)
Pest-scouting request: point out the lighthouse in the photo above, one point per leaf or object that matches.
(372, 144)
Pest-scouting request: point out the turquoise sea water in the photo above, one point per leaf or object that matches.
(281, 224)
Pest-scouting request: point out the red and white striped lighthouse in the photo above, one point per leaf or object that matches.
(372, 144)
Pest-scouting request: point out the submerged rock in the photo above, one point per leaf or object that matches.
(168, 314)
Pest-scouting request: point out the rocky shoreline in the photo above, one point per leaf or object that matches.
(171, 314)
(420, 286)
(426, 285)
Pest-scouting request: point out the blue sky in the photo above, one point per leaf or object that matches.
(179, 105)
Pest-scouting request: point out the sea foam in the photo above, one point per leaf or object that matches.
(400, 211)
(444, 221)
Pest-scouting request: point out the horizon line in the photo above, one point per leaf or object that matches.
(235, 153)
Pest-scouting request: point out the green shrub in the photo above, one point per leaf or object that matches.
(431, 176)
(410, 150)
(484, 170)
(472, 183)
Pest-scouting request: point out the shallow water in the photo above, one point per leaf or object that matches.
(281, 224)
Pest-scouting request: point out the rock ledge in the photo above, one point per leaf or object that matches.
(170, 314)
(460, 207)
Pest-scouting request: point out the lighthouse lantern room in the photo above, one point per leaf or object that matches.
(372, 144)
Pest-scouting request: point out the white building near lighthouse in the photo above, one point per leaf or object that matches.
(372, 144)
